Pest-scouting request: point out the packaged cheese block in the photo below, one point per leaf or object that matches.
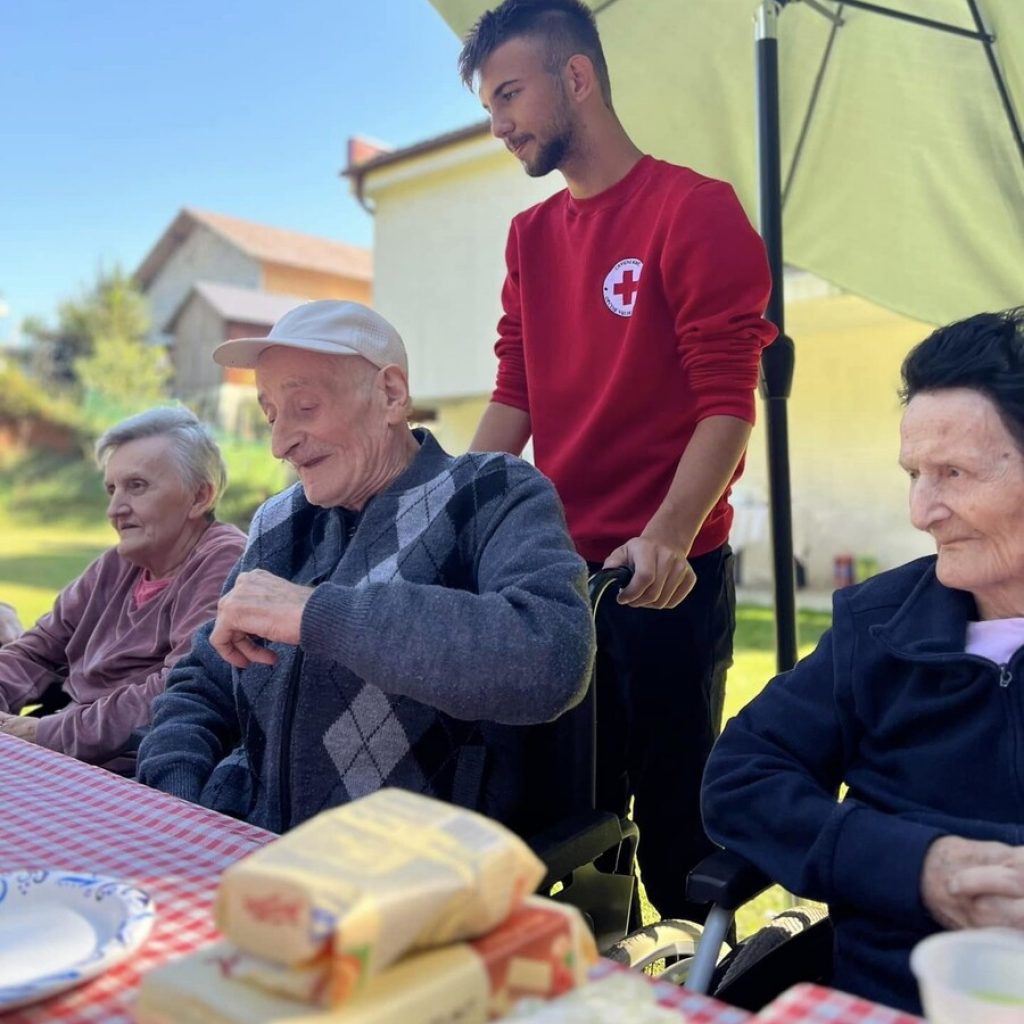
(541, 951)
(372, 879)
(438, 986)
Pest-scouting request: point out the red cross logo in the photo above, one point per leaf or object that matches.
(626, 288)
(621, 285)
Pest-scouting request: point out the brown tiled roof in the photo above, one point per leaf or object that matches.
(261, 242)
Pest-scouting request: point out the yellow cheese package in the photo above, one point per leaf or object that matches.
(541, 951)
(373, 879)
(543, 948)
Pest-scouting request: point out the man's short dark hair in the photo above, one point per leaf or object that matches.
(566, 27)
(985, 353)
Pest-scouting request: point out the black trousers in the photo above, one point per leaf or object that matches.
(660, 689)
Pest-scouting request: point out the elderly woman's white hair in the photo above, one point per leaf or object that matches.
(193, 449)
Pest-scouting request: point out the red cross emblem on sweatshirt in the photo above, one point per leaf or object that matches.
(621, 286)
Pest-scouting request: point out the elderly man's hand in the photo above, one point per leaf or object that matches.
(662, 576)
(19, 725)
(261, 605)
(970, 884)
(10, 627)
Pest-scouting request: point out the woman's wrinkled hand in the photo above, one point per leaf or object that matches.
(19, 725)
(966, 883)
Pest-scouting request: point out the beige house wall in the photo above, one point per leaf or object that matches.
(440, 226)
(849, 493)
(456, 422)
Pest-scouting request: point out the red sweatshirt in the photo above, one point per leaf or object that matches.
(630, 317)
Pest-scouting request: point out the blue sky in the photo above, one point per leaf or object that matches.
(116, 113)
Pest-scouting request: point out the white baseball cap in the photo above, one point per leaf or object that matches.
(330, 326)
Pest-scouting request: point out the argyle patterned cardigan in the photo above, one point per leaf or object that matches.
(448, 615)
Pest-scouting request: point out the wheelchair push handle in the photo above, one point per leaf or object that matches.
(604, 579)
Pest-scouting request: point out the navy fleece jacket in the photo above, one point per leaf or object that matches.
(929, 740)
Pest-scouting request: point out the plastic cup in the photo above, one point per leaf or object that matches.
(974, 976)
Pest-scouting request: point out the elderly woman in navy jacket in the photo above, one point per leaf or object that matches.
(914, 697)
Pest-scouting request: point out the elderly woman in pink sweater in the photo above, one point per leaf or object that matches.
(115, 631)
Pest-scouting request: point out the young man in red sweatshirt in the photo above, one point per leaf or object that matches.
(629, 351)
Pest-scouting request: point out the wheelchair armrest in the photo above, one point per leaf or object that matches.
(578, 841)
(726, 880)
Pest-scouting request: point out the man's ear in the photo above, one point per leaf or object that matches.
(396, 392)
(580, 77)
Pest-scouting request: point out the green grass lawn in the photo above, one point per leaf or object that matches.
(37, 558)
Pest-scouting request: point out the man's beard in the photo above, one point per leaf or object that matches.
(550, 154)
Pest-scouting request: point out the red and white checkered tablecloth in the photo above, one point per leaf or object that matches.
(812, 1004)
(697, 1009)
(693, 1008)
(56, 812)
(802, 1004)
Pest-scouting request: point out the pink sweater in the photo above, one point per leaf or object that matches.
(113, 657)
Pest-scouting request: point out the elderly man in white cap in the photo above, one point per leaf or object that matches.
(397, 616)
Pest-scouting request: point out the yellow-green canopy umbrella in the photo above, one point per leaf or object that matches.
(909, 185)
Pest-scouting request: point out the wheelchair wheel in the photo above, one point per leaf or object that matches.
(796, 946)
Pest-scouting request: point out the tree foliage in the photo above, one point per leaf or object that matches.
(99, 347)
(123, 370)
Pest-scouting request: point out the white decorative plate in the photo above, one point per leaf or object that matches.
(58, 929)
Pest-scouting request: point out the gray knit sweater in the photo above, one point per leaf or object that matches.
(445, 617)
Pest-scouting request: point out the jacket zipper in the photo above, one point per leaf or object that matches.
(284, 800)
(1012, 709)
(1005, 674)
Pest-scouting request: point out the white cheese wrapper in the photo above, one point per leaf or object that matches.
(373, 879)
(542, 949)
(442, 986)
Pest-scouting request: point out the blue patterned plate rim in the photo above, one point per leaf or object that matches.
(119, 914)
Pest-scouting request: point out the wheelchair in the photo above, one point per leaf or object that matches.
(795, 946)
(590, 854)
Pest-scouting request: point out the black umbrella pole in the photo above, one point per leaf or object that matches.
(777, 360)
(769, 173)
(777, 429)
